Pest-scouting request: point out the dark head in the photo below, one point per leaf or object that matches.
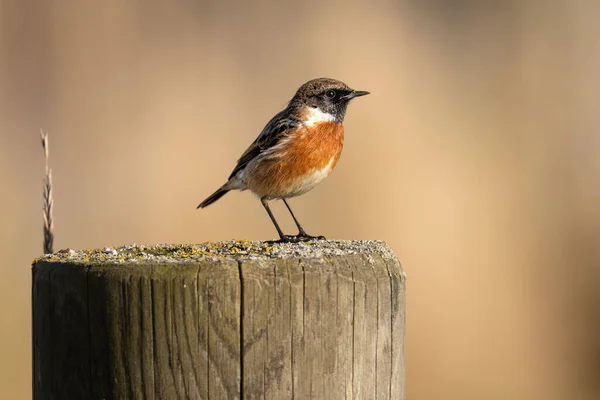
(329, 96)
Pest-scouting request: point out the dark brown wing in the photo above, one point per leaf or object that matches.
(272, 133)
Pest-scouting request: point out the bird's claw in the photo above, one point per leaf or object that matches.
(301, 237)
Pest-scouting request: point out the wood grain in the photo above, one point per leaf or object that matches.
(245, 328)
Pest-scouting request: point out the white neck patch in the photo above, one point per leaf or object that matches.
(315, 116)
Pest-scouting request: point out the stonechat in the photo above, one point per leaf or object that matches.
(295, 151)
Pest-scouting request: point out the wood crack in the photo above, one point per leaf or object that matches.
(353, 325)
(242, 308)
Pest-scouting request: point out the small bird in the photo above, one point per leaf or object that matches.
(295, 151)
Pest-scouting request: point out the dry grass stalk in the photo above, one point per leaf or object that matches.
(48, 200)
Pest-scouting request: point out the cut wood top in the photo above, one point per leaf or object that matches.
(239, 250)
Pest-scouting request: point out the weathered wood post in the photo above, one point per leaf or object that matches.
(230, 320)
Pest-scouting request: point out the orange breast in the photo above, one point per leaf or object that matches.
(300, 162)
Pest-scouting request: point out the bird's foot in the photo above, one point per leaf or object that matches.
(300, 237)
(304, 237)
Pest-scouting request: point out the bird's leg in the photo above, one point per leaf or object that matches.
(302, 235)
(282, 237)
(301, 231)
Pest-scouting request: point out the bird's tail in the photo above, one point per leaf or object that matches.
(213, 197)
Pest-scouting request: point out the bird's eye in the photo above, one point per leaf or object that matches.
(330, 94)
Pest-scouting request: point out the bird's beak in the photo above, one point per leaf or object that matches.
(355, 93)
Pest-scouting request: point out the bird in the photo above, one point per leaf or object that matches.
(296, 150)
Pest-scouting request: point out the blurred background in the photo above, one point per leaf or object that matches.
(476, 157)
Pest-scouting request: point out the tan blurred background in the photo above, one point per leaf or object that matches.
(476, 157)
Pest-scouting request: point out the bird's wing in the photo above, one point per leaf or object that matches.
(276, 129)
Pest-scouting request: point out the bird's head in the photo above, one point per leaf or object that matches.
(324, 99)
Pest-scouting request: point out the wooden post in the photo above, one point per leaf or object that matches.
(230, 320)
